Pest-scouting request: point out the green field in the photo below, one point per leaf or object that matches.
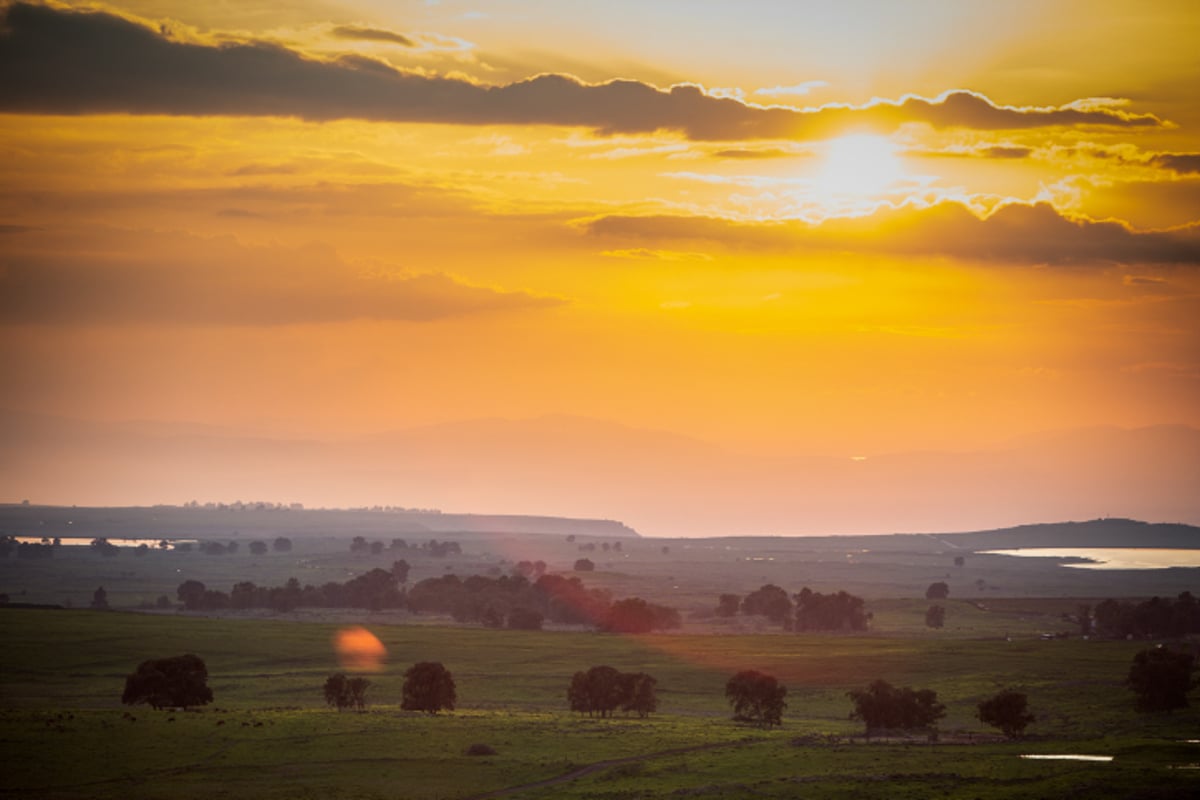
(268, 734)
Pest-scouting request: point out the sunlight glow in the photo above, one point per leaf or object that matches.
(859, 166)
(359, 649)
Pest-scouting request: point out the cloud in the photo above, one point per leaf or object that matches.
(763, 153)
(647, 254)
(366, 34)
(1013, 233)
(1182, 163)
(108, 276)
(85, 62)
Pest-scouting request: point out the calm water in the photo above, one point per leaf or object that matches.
(75, 542)
(1112, 557)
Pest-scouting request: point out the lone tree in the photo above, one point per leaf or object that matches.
(100, 599)
(342, 692)
(584, 565)
(756, 697)
(179, 681)
(882, 706)
(938, 590)
(1007, 711)
(258, 548)
(1161, 677)
(935, 617)
(428, 687)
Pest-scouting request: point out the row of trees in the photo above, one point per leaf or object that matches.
(806, 611)
(1158, 617)
(509, 600)
(433, 547)
(479, 598)
(375, 590)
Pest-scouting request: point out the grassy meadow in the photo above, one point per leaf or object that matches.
(268, 734)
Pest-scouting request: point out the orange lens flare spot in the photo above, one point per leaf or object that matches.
(358, 649)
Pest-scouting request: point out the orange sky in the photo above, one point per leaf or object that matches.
(778, 227)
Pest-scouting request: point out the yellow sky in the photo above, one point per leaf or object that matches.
(781, 227)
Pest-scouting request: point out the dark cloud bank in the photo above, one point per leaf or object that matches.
(80, 62)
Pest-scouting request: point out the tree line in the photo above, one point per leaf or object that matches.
(802, 612)
(1158, 617)
(511, 601)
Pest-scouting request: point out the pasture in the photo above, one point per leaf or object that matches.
(268, 734)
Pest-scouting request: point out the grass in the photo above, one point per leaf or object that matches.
(65, 734)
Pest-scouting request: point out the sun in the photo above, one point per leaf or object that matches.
(858, 166)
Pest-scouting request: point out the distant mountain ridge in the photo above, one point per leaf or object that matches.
(249, 522)
(659, 483)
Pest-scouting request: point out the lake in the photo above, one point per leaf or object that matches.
(1110, 557)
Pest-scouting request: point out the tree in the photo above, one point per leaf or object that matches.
(728, 604)
(769, 601)
(883, 706)
(602, 690)
(191, 594)
(428, 687)
(756, 697)
(1006, 711)
(258, 548)
(935, 617)
(637, 693)
(959, 561)
(400, 570)
(104, 547)
(584, 565)
(597, 691)
(342, 692)
(836, 611)
(282, 544)
(177, 681)
(938, 590)
(635, 615)
(1161, 677)
(100, 599)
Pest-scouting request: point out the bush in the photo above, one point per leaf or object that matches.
(480, 750)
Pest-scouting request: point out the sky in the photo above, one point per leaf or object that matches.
(797, 228)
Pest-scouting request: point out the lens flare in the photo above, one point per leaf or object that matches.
(358, 649)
